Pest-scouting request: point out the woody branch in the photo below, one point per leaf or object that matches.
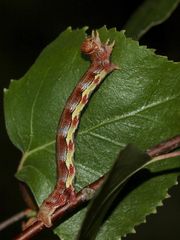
(84, 196)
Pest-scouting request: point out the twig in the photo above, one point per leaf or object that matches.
(165, 147)
(82, 196)
(87, 193)
(165, 156)
(13, 219)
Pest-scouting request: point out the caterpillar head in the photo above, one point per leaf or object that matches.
(98, 52)
(91, 44)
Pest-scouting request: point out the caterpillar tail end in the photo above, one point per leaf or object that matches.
(44, 215)
(49, 206)
(56, 199)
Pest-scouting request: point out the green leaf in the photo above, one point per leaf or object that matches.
(130, 160)
(149, 14)
(137, 104)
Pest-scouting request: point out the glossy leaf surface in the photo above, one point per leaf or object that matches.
(138, 103)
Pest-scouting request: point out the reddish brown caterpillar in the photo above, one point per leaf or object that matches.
(64, 191)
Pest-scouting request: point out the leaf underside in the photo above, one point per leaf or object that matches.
(129, 161)
(136, 104)
(148, 15)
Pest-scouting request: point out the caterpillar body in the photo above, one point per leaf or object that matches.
(100, 66)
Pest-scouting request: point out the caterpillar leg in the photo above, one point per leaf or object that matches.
(54, 201)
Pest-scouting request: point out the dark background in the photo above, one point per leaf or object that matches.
(26, 27)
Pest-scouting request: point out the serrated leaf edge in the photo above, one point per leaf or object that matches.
(154, 210)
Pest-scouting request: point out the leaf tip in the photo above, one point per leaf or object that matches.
(167, 196)
(69, 29)
(176, 183)
(160, 204)
(123, 31)
(154, 211)
(144, 221)
(85, 28)
(133, 230)
(5, 90)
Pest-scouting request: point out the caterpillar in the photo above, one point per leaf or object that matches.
(99, 55)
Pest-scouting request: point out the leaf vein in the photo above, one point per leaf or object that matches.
(129, 114)
(106, 139)
(28, 153)
(32, 109)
